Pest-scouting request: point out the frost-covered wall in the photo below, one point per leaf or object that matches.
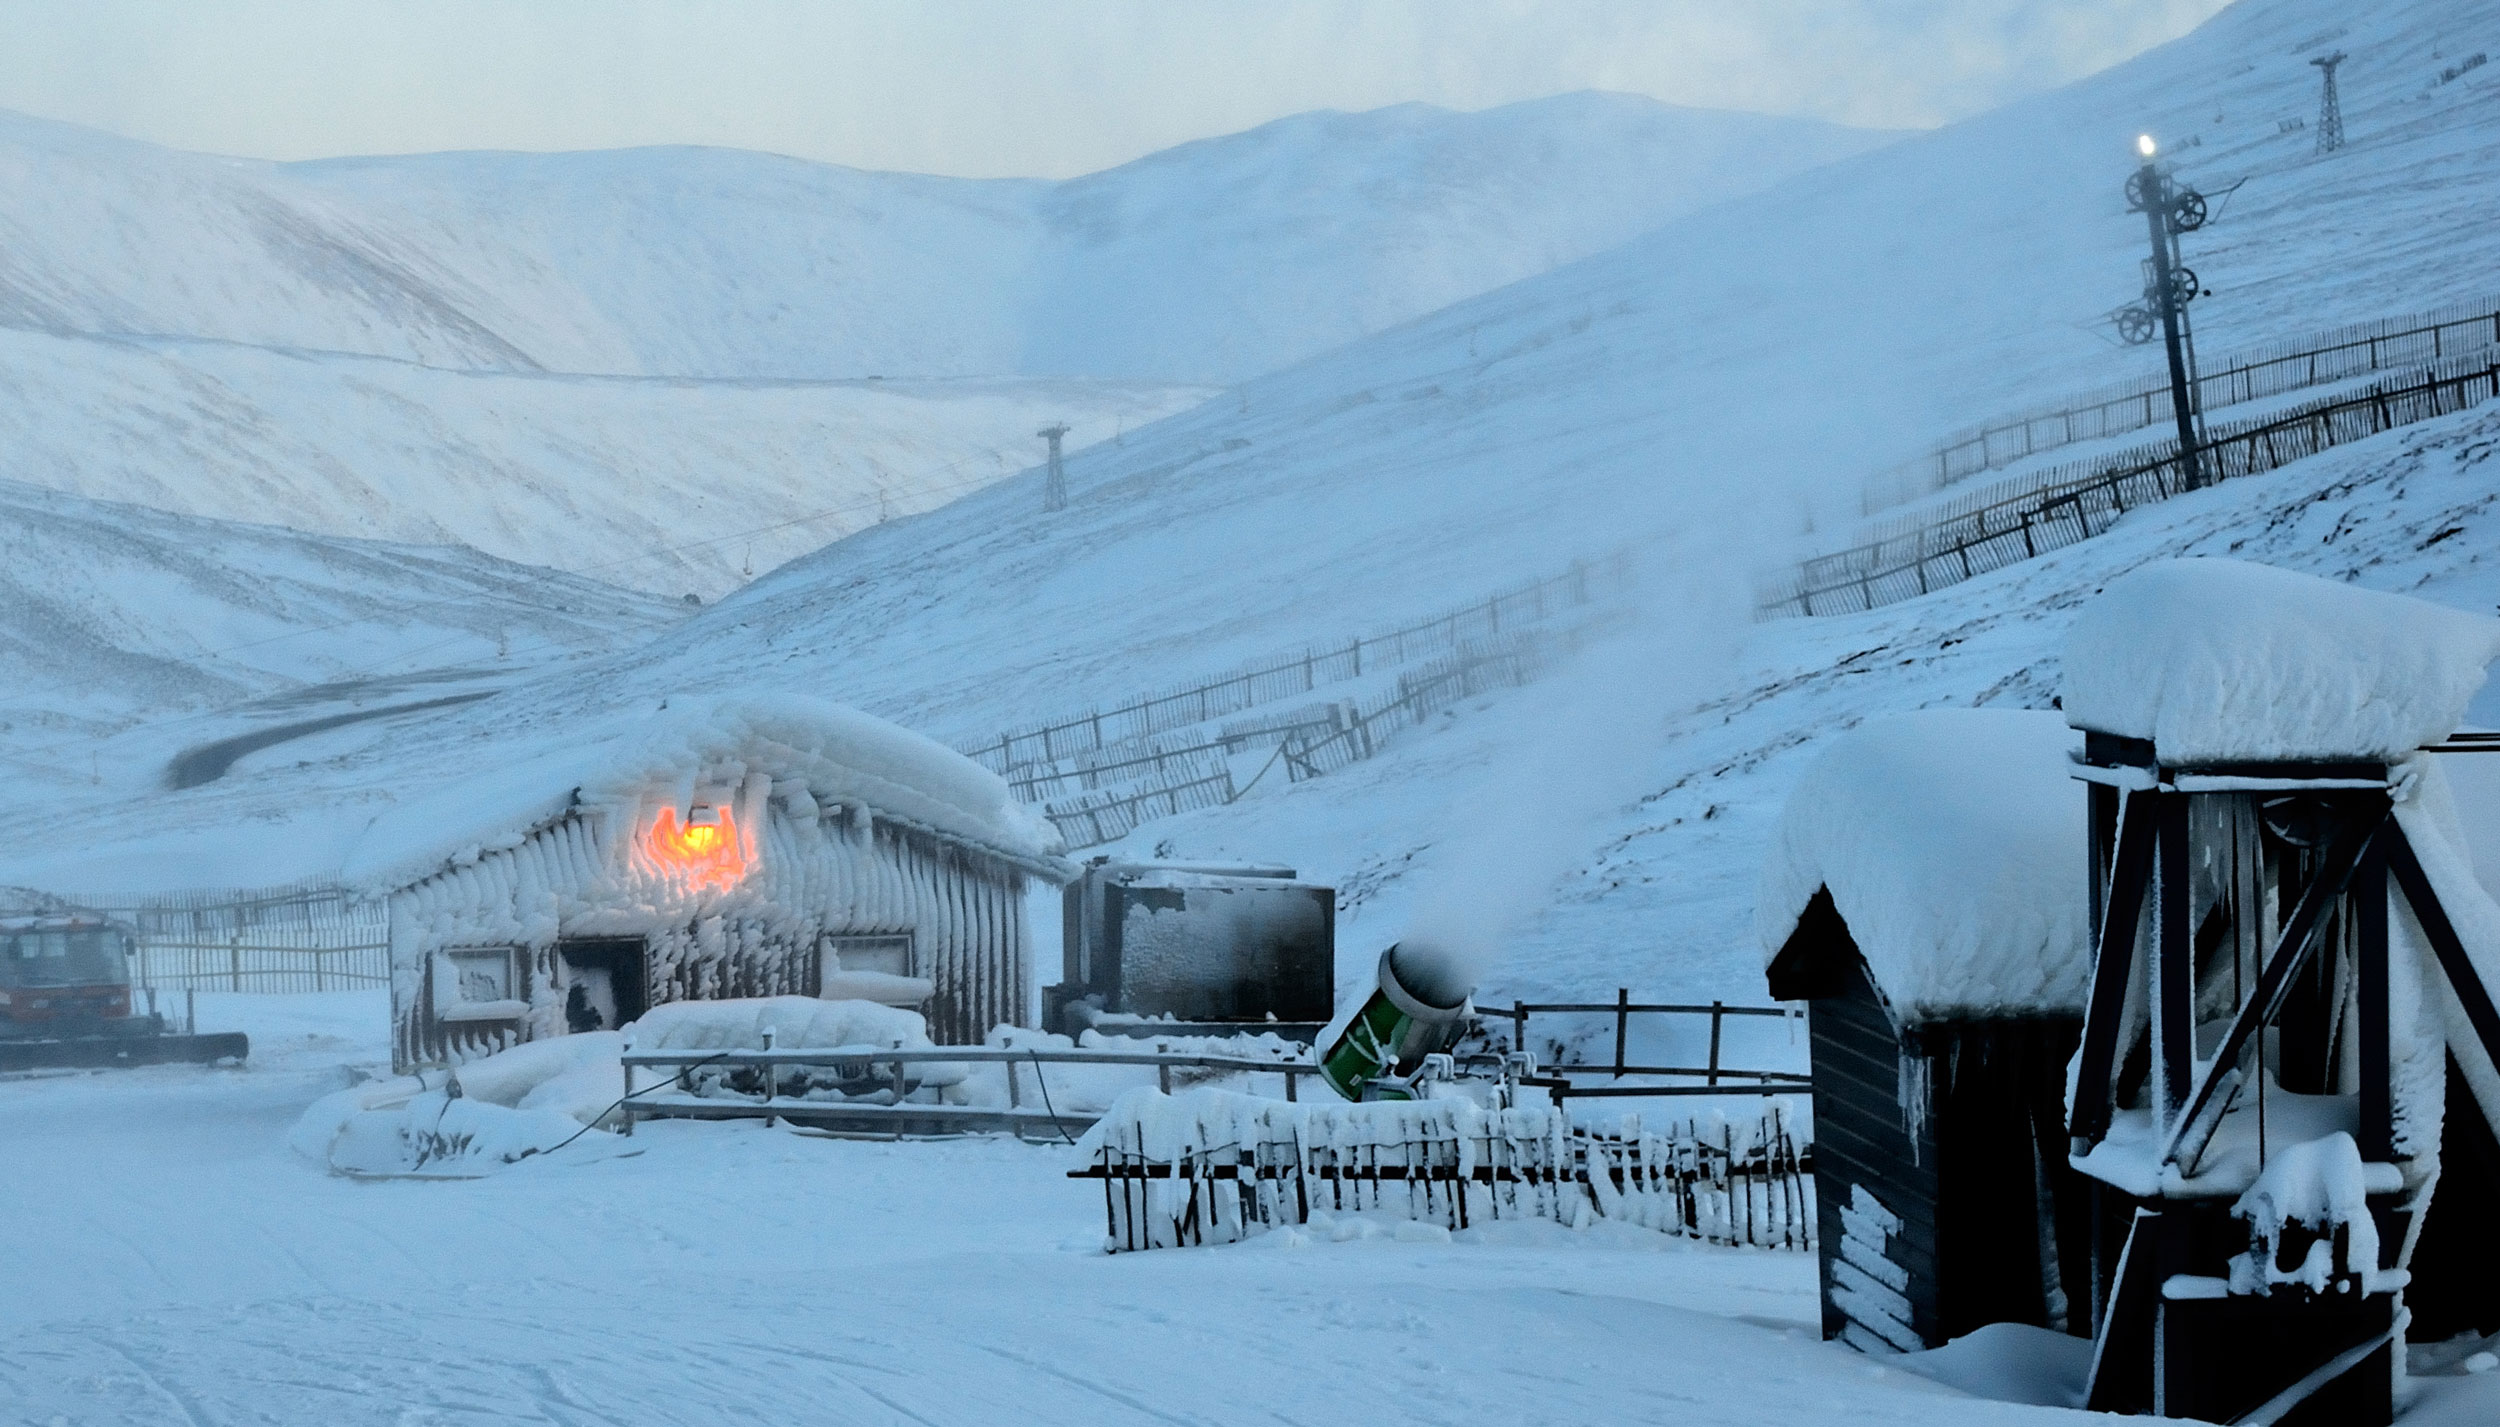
(805, 873)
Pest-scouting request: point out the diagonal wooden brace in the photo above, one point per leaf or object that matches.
(2111, 965)
(2471, 994)
(2291, 950)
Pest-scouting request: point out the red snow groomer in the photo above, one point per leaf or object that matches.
(65, 1000)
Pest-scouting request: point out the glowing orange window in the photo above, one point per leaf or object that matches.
(705, 851)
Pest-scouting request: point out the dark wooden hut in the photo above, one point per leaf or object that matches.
(1924, 898)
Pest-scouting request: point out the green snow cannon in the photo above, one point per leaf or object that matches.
(1401, 1022)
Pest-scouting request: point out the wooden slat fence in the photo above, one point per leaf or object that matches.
(1438, 1162)
(2018, 519)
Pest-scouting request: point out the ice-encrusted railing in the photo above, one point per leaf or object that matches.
(1211, 1167)
(1067, 742)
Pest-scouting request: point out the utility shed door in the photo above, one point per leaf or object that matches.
(1874, 1181)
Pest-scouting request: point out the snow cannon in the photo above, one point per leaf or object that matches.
(1417, 1008)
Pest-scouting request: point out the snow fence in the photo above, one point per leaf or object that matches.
(1212, 1167)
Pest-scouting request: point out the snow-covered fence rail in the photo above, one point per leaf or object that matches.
(1303, 673)
(1418, 695)
(295, 938)
(776, 1085)
(1181, 779)
(1212, 1167)
(1716, 1077)
(1089, 820)
(2393, 343)
(2018, 519)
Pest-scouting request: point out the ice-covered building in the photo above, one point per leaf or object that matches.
(718, 849)
(1924, 896)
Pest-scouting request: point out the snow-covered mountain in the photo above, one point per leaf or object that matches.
(1714, 394)
(396, 348)
(1207, 263)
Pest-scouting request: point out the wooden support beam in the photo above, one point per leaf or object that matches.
(2111, 970)
(2369, 918)
(2300, 936)
(2470, 991)
(2173, 965)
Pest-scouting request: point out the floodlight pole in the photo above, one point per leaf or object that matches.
(2153, 193)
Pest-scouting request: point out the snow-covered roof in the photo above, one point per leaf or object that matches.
(429, 791)
(2219, 661)
(1952, 842)
(832, 753)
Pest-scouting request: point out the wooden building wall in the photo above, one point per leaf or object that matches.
(848, 874)
(1944, 1198)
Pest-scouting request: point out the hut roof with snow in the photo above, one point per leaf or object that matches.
(2224, 662)
(1951, 843)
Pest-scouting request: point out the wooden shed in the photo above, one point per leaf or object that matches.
(788, 847)
(1924, 897)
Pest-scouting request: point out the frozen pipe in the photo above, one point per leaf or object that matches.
(1416, 1008)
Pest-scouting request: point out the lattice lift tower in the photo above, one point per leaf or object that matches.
(1055, 492)
(2330, 112)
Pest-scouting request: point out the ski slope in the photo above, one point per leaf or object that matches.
(1714, 395)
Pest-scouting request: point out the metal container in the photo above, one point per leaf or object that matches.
(1180, 948)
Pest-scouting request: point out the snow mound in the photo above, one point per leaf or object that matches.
(2219, 661)
(438, 1135)
(796, 1023)
(1952, 841)
(486, 1115)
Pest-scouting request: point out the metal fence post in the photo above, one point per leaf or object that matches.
(1623, 1016)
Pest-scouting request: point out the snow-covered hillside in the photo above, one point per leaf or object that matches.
(1204, 264)
(393, 348)
(1714, 394)
(674, 486)
(111, 614)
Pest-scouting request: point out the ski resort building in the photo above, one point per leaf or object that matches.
(724, 850)
(1925, 898)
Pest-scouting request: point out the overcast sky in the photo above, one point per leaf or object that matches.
(997, 87)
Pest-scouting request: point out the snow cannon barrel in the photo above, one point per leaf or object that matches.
(1417, 1008)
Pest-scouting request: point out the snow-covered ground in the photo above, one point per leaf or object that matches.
(172, 1261)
